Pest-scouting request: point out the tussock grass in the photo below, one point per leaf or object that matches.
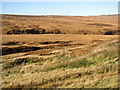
(21, 61)
(97, 69)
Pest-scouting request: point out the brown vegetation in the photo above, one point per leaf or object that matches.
(59, 51)
(98, 68)
(85, 25)
(10, 50)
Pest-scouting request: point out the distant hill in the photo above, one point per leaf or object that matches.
(56, 24)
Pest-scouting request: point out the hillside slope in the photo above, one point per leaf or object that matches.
(85, 25)
(95, 69)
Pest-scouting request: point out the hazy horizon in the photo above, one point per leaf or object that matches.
(60, 8)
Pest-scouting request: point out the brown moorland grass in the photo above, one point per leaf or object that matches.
(32, 39)
(97, 69)
(85, 25)
(47, 44)
(59, 51)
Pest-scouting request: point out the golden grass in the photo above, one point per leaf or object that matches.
(66, 60)
(31, 39)
(101, 72)
(65, 24)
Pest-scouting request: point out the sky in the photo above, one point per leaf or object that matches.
(60, 8)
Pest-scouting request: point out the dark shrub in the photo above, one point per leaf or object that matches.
(10, 32)
(35, 31)
(41, 31)
(109, 33)
(55, 31)
(31, 31)
(14, 31)
(22, 31)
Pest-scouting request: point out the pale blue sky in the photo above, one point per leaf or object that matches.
(60, 8)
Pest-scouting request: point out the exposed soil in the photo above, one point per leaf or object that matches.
(46, 48)
(7, 50)
(55, 42)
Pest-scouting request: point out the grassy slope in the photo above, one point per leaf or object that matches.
(65, 24)
(99, 68)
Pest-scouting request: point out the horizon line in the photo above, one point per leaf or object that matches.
(58, 15)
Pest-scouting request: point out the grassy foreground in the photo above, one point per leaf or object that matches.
(96, 69)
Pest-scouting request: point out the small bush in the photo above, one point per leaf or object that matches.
(42, 31)
(33, 31)
(56, 31)
(109, 33)
(14, 31)
(27, 31)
